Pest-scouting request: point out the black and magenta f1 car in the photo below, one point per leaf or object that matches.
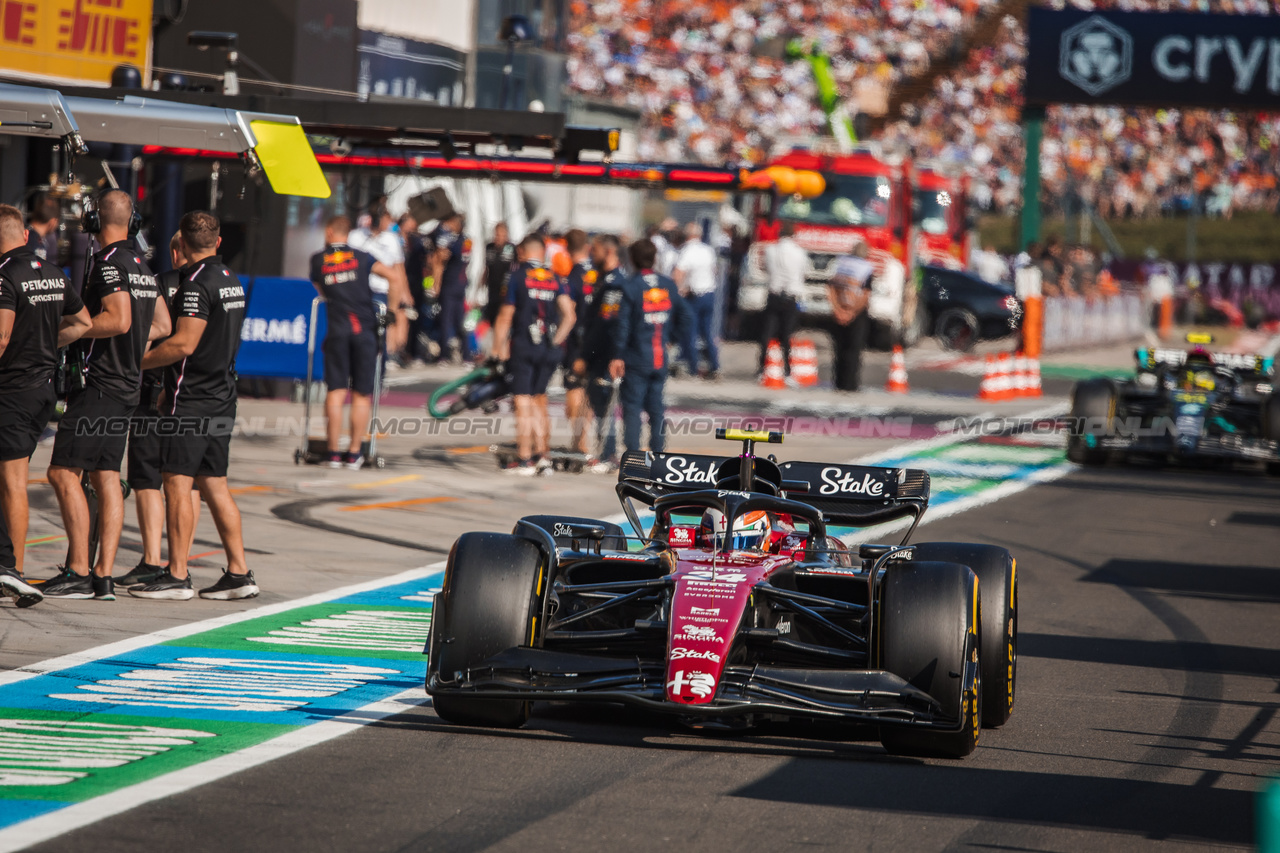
(738, 607)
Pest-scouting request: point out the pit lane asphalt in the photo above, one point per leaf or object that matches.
(1145, 716)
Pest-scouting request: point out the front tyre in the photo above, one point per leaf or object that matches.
(1093, 406)
(489, 603)
(997, 573)
(929, 618)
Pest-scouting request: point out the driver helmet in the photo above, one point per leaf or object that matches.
(750, 530)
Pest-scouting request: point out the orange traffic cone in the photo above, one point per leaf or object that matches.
(773, 376)
(1021, 381)
(804, 362)
(897, 382)
(990, 388)
(1005, 377)
(1033, 378)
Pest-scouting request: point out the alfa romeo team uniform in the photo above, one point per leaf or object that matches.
(351, 343)
(93, 432)
(597, 348)
(144, 434)
(651, 315)
(534, 289)
(581, 283)
(203, 389)
(452, 288)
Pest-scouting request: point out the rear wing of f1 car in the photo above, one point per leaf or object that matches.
(1150, 359)
(852, 495)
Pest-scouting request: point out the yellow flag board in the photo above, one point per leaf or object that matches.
(74, 41)
(288, 160)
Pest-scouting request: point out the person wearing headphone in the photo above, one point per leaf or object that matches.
(122, 296)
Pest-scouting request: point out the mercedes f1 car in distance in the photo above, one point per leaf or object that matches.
(739, 607)
(1182, 406)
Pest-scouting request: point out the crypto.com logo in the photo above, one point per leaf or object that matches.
(1096, 55)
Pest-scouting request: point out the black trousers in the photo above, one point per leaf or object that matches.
(780, 315)
(849, 341)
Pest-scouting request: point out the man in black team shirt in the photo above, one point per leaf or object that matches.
(208, 311)
(582, 282)
(144, 447)
(122, 296)
(597, 346)
(341, 275)
(39, 312)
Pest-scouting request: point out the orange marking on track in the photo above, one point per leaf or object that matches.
(240, 490)
(458, 451)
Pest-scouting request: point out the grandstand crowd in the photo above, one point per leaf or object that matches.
(711, 90)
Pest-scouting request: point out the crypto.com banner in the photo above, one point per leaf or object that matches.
(1155, 58)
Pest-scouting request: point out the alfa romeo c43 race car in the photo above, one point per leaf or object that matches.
(1182, 406)
(738, 607)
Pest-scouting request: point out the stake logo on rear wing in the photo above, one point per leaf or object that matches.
(848, 494)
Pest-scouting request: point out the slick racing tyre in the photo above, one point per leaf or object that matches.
(998, 633)
(488, 604)
(1271, 428)
(929, 636)
(614, 538)
(1093, 405)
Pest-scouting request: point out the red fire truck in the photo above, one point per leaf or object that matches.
(914, 213)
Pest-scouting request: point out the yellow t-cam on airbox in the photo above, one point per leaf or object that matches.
(288, 160)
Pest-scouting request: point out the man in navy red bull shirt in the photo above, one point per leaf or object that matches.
(532, 326)
(341, 275)
(449, 269)
(651, 316)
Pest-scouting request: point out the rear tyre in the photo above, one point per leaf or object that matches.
(1271, 428)
(614, 538)
(929, 637)
(1093, 406)
(998, 632)
(489, 604)
(957, 329)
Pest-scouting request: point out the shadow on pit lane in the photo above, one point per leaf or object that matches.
(1223, 583)
(1202, 657)
(1188, 484)
(617, 725)
(1150, 809)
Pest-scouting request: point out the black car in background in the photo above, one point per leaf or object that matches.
(960, 309)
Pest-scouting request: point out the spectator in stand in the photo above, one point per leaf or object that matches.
(695, 276)
(785, 265)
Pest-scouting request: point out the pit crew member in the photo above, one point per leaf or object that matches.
(651, 316)
(39, 313)
(530, 334)
(122, 296)
(209, 310)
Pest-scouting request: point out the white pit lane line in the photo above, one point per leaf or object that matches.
(53, 824)
(44, 827)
